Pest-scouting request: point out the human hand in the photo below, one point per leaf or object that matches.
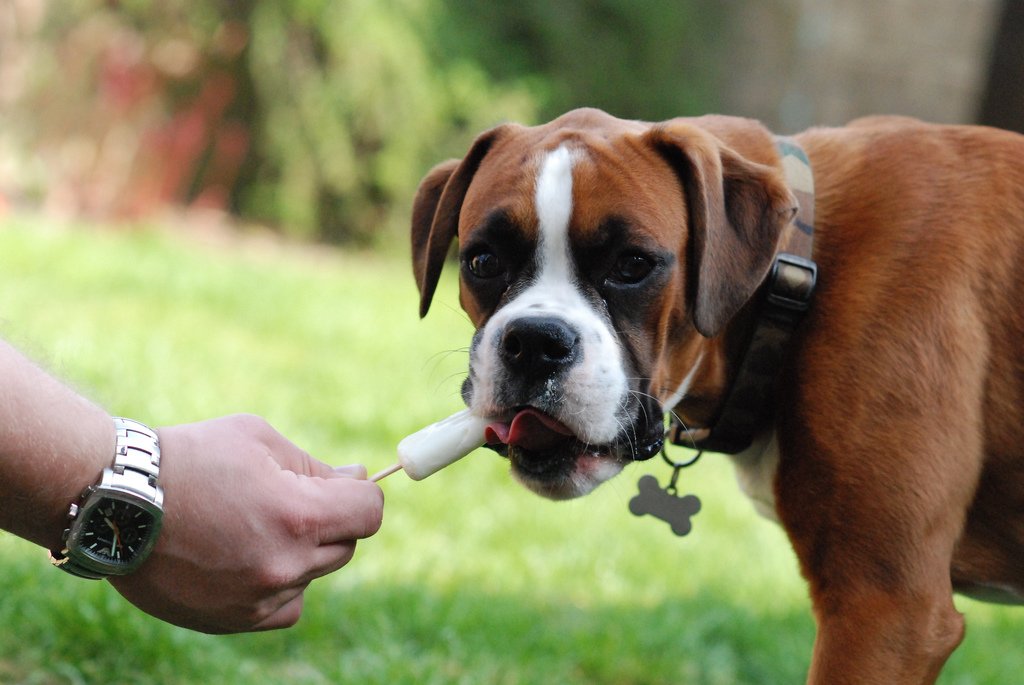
(250, 520)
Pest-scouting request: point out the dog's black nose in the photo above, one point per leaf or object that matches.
(539, 346)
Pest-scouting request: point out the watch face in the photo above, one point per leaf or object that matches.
(116, 531)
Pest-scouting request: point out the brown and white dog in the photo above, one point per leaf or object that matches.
(608, 266)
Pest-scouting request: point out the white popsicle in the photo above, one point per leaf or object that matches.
(440, 444)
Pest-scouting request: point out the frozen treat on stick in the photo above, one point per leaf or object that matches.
(430, 449)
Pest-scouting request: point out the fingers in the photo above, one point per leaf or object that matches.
(327, 559)
(332, 515)
(324, 559)
(294, 458)
(357, 471)
(343, 509)
(287, 614)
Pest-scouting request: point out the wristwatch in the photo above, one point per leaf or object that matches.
(115, 524)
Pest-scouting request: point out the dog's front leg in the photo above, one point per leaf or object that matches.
(881, 591)
(875, 533)
(894, 638)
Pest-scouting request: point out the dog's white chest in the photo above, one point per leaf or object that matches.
(755, 471)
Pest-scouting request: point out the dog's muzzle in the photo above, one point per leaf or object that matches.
(562, 425)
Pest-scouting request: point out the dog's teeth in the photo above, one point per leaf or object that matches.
(440, 444)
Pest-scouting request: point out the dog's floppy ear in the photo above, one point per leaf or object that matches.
(737, 209)
(435, 214)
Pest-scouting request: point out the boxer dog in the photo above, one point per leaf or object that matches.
(609, 267)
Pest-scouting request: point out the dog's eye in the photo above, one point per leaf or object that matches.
(631, 268)
(485, 265)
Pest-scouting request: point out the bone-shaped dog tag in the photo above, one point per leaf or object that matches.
(665, 504)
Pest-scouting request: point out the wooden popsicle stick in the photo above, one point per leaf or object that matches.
(386, 472)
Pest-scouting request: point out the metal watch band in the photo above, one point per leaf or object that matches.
(137, 459)
(135, 470)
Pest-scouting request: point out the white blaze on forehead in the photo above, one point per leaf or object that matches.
(593, 394)
(554, 210)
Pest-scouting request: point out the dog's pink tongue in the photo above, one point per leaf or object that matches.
(530, 430)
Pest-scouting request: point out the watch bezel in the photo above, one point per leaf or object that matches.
(76, 551)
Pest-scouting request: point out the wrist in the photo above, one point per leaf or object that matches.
(114, 525)
(53, 443)
(90, 450)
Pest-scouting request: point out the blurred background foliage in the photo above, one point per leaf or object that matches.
(311, 115)
(318, 117)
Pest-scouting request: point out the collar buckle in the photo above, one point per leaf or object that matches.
(791, 283)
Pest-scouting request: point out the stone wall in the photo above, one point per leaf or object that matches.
(796, 63)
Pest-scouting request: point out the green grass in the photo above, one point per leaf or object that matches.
(471, 579)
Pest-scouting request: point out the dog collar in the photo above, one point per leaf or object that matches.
(784, 298)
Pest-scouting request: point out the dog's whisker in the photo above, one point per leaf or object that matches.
(447, 379)
(686, 430)
(439, 357)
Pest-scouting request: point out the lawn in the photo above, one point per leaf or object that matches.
(471, 579)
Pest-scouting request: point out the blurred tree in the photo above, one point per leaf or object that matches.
(354, 109)
(646, 60)
(318, 116)
(134, 106)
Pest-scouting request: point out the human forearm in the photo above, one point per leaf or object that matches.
(53, 443)
(249, 519)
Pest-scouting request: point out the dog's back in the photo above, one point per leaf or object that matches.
(932, 256)
(908, 392)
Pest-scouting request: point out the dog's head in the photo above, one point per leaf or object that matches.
(599, 259)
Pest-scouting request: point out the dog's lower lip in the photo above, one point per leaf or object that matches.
(545, 464)
(645, 452)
